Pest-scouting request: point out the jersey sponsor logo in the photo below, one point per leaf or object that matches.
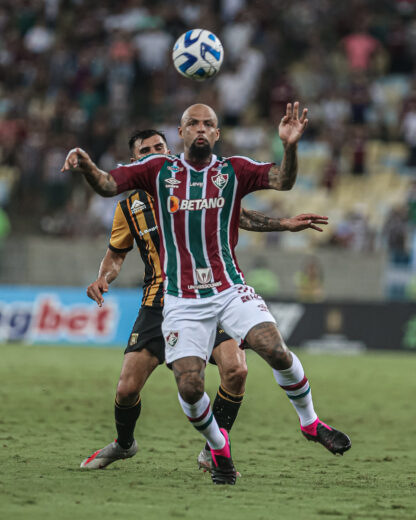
(175, 168)
(196, 184)
(143, 232)
(172, 338)
(263, 307)
(249, 297)
(203, 274)
(137, 206)
(175, 204)
(220, 167)
(205, 285)
(248, 294)
(220, 180)
(172, 183)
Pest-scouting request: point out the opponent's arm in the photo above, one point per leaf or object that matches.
(256, 221)
(291, 128)
(109, 270)
(102, 182)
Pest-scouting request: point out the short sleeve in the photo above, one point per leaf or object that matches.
(139, 175)
(251, 175)
(121, 240)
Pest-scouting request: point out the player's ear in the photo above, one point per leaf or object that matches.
(169, 152)
(217, 134)
(180, 132)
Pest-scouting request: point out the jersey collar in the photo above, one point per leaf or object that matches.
(213, 161)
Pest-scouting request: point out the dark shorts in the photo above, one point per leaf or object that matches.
(147, 333)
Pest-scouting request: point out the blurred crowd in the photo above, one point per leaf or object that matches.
(89, 72)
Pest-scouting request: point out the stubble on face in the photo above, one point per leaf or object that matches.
(200, 152)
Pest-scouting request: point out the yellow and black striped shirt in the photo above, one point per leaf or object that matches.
(134, 220)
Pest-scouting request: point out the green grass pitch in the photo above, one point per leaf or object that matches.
(57, 406)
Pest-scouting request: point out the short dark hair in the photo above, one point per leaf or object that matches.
(144, 134)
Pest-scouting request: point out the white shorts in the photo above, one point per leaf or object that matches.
(189, 325)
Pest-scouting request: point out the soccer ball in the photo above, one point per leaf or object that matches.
(198, 54)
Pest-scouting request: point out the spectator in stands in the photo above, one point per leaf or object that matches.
(395, 231)
(409, 130)
(360, 47)
(309, 281)
(354, 232)
(263, 279)
(103, 68)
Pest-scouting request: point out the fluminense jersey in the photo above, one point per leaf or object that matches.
(198, 212)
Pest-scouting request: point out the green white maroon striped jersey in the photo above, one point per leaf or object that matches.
(198, 211)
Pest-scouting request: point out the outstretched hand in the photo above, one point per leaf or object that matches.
(305, 221)
(291, 127)
(77, 160)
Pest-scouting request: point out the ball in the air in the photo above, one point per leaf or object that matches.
(198, 54)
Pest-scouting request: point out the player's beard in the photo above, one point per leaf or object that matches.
(200, 152)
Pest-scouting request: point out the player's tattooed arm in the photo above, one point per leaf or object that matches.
(283, 178)
(291, 129)
(256, 221)
(102, 182)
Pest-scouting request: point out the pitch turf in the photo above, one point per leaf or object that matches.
(56, 409)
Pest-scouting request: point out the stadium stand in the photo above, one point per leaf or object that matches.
(77, 71)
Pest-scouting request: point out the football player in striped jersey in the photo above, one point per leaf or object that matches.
(197, 205)
(135, 223)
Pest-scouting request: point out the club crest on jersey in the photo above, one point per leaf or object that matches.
(133, 338)
(203, 274)
(172, 183)
(220, 180)
(172, 338)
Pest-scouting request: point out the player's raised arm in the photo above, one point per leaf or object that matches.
(102, 182)
(109, 270)
(291, 128)
(256, 221)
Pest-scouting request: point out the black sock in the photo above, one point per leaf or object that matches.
(225, 408)
(126, 417)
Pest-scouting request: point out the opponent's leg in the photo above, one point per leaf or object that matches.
(231, 362)
(189, 375)
(266, 340)
(137, 367)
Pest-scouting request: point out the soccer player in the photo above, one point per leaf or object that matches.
(197, 202)
(135, 221)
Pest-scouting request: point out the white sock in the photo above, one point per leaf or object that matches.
(296, 385)
(201, 417)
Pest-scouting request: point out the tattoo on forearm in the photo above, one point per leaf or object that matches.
(101, 182)
(256, 221)
(283, 178)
